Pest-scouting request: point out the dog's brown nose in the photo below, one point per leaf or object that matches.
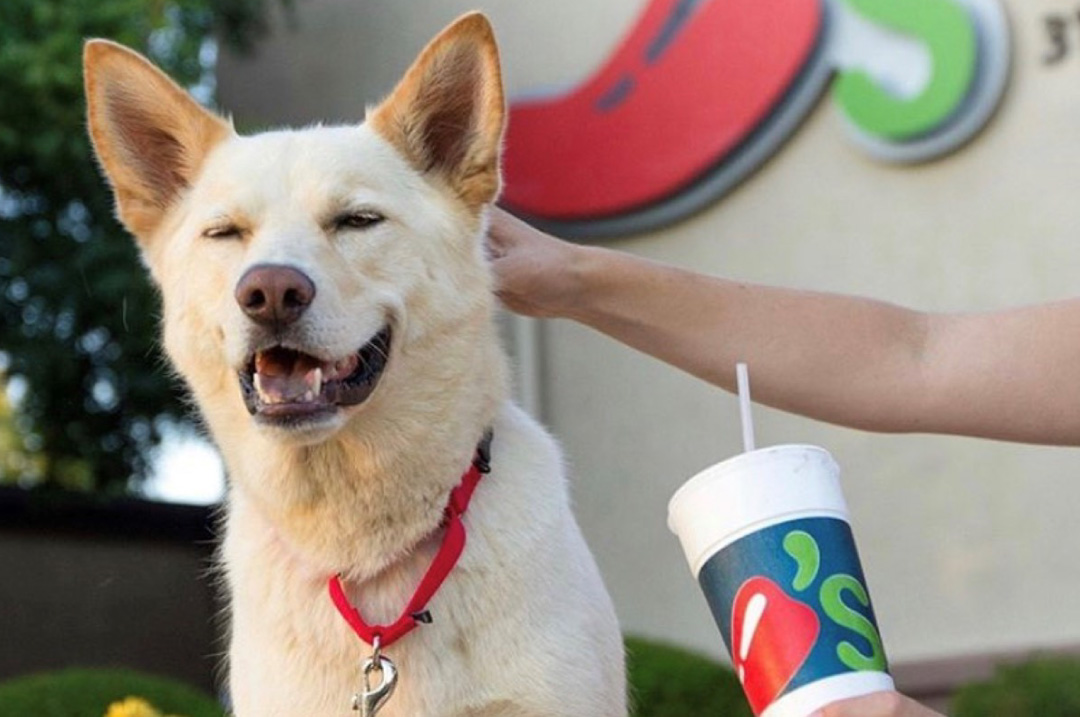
(274, 294)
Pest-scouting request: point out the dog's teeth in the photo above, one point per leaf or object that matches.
(259, 388)
(309, 397)
(316, 384)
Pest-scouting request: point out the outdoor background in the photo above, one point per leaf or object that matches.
(968, 545)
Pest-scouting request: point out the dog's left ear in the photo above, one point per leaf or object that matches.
(446, 115)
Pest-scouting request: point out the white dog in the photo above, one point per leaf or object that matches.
(327, 300)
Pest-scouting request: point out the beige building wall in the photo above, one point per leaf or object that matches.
(968, 545)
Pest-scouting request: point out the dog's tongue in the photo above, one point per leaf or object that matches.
(284, 376)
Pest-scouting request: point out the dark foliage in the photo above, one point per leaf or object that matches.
(667, 681)
(89, 692)
(1048, 687)
(77, 316)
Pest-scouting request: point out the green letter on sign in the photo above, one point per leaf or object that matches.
(948, 32)
(833, 602)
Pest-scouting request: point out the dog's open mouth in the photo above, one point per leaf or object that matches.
(283, 385)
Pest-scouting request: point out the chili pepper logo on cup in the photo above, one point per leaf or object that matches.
(766, 534)
(794, 624)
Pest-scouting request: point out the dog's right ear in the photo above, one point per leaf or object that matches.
(150, 136)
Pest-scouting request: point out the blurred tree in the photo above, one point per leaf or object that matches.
(77, 316)
(18, 464)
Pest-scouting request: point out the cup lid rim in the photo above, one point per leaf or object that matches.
(695, 482)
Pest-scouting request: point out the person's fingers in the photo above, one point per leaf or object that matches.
(879, 704)
(498, 235)
(494, 247)
(528, 266)
(507, 230)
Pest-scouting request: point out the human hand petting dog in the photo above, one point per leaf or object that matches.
(537, 274)
(879, 704)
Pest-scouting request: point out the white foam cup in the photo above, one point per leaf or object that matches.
(767, 535)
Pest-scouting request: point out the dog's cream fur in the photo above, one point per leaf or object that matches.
(523, 626)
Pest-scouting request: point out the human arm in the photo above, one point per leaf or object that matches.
(879, 704)
(1012, 375)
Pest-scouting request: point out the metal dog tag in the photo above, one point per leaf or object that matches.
(372, 698)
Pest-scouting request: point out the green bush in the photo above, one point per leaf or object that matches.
(667, 681)
(89, 692)
(1048, 687)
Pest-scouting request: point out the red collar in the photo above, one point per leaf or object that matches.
(453, 543)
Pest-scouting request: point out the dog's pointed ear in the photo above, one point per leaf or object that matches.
(446, 116)
(150, 136)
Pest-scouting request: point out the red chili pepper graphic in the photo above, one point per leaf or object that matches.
(771, 636)
(682, 92)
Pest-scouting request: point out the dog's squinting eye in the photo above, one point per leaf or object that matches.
(224, 231)
(358, 220)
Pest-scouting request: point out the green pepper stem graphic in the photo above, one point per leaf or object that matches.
(802, 547)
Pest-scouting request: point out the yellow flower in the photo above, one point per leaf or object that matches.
(133, 707)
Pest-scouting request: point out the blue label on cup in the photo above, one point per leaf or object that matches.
(793, 608)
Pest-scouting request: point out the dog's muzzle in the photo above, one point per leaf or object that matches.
(283, 385)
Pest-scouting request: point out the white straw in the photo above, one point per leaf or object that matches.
(742, 377)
